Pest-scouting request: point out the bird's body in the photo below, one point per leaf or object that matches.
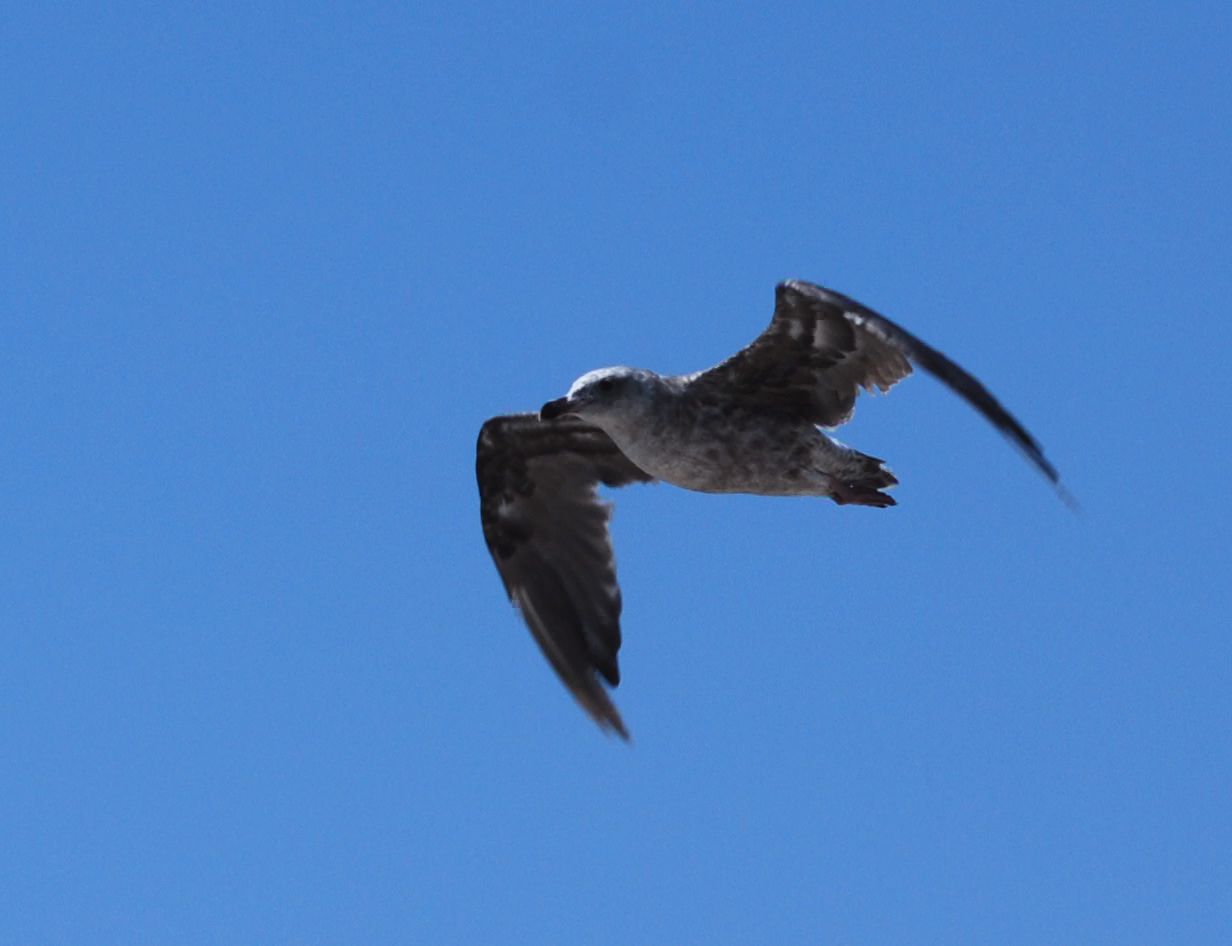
(686, 435)
(748, 425)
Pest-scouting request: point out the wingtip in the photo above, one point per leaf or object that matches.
(1035, 454)
(603, 711)
(617, 727)
(1068, 498)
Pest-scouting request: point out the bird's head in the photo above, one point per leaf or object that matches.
(601, 393)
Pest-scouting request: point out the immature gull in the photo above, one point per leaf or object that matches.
(748, 425)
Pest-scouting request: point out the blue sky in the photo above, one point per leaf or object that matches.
(266, 270)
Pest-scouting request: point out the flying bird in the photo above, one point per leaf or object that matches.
(748, 425)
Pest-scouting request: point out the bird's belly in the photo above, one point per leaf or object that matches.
(762, 463)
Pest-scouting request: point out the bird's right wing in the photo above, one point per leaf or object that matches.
(547, 530)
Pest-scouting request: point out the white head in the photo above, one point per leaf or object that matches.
(605, 393)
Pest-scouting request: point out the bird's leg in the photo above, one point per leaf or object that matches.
(855, 494)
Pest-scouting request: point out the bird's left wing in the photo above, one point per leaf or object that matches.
(547, 530)
(822, 347)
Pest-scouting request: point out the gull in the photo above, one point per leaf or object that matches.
(751, 424)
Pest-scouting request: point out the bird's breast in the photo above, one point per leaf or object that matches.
(728, 454)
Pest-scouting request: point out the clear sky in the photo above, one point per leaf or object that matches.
(265, 270)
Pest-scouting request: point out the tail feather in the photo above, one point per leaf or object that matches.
(860, 482)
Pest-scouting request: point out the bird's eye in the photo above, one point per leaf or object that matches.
(606, 385)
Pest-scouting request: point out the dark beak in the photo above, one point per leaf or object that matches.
(554, 409)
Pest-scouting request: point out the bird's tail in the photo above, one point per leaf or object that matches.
(860, 481)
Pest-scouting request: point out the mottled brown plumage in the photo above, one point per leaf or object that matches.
(749, 425)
